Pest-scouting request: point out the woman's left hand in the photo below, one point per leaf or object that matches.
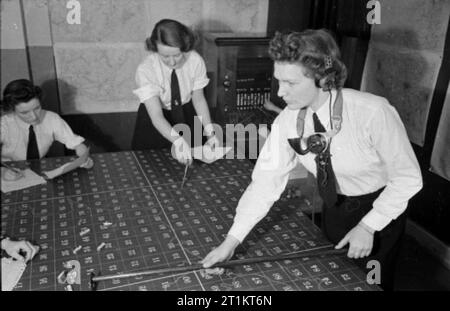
(360, 240)
(10, 175)
(19, 250)
(88, 164)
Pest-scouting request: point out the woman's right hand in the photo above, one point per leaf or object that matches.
(10, 175)
(222, 253)
(181, 151)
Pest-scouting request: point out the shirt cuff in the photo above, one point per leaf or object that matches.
(239, 231)
(146, 92)
(200, 83)
(376, 220)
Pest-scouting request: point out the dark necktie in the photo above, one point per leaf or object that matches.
(326, 180)
(176, 105)
(32, 149)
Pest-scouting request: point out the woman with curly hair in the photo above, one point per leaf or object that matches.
(353, 142)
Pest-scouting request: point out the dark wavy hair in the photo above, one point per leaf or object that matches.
(19, 91)
(311, 48)
(172, 33)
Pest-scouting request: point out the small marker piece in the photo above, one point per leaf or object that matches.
(85, 231)
(67, 265)
(75, 251)
(62, 277)
(71, 277)
(100, 246)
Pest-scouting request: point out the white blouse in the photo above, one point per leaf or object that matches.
(371, 151)
(153, 78)
(14, 135)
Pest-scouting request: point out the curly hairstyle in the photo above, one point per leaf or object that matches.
(316, 51)
(17, 92)
(172, 33)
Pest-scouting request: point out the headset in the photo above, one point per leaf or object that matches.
(317, 143)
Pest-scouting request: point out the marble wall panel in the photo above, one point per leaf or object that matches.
(406, 78)
(101, 21)
(188, 12)
(404, 58)
(92, 59)
(414, 24)
(235, 15)
(97, 77)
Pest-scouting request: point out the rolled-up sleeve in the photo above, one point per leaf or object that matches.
(390, 139)
(64, 134)
(269, 179)
(147, 85)
(3, 131)
(200, 78)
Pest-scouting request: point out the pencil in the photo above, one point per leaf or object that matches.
(11, 168)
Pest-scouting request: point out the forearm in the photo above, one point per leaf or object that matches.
(231, 242)
(203, 113)
(81, 149)
(391, 203)
(265, 189)
(404, 181)
(166, 130)
(248, 213)
(201, 107)
(4, 242)
(160, 122)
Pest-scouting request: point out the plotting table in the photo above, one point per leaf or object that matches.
(156, 224)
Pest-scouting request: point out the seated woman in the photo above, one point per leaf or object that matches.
(27, 130)
(170, 87)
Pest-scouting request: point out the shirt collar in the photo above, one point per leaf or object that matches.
(324, 111)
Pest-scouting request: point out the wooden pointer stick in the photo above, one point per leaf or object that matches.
(329, 250)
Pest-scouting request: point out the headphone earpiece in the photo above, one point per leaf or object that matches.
(328, 82)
